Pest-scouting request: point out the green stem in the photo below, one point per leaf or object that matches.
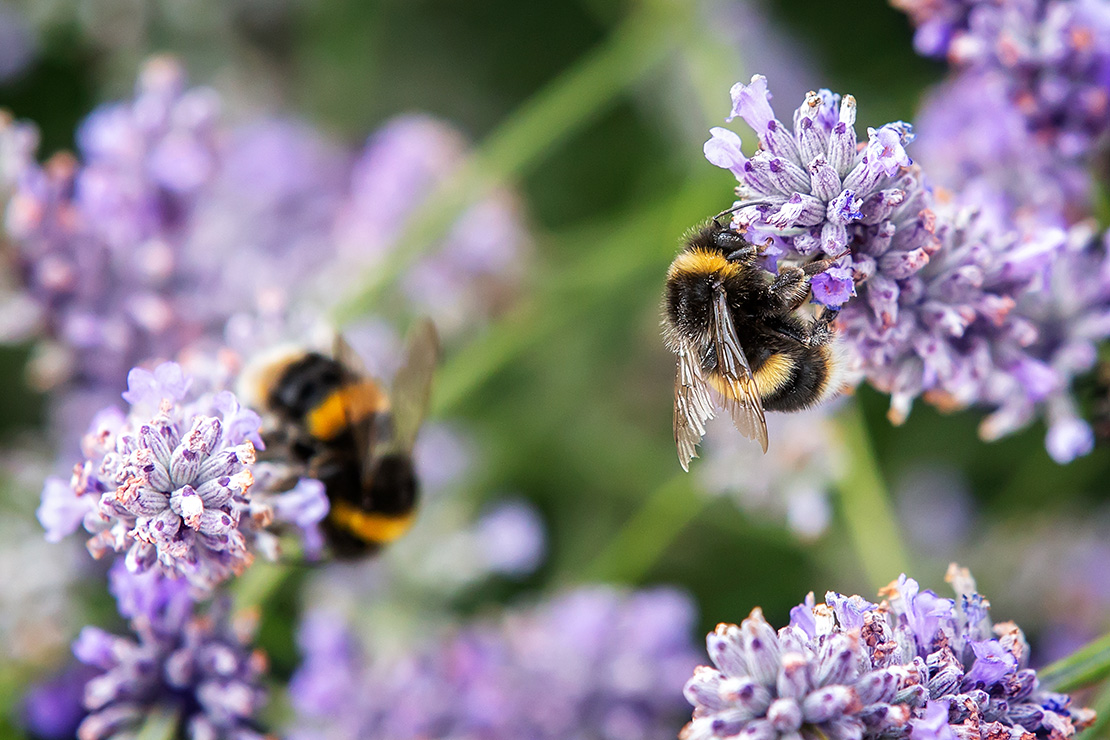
(258, 583)
(1085, 666)
(865, 505)
(1101, 705)
(159, 724)
(554, 114)
(630, 555)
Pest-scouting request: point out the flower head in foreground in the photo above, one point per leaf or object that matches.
(916, 665)
(169, 483)
(812, 190)
(961, 299)
(591, 663)
(197, 667)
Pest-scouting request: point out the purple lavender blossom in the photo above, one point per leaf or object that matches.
(97, 244)
(970, 138)
(592, 663)
(915, 665)
(965, 300)
(169, 484)
(172, 230)
(794, 684)
(197, 667)
(1054, 54)
(53, 709)
(812, 190)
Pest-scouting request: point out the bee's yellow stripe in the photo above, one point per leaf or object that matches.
(368, 526)
(351, 403)
(772, 375)
(702, 262)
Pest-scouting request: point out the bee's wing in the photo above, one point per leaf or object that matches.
(412, 386)
(354, 369)
(692, 405)
(737, 388)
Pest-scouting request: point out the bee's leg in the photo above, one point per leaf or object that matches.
(735, 247)
(789, 289)
(821, 332)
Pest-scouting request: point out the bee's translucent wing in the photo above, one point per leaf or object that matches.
(733, 377)
(692, 405)
(366, 430)
(412, 386)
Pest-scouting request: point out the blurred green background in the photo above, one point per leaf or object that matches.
(597, 111)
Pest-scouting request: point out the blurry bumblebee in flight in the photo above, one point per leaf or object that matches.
(336, 424)
(738, 336)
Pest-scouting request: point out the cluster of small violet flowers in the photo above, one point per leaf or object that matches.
(169, 484)
(915, 665)
(171, 223)
(153, 266)
(589, 663)
(1054, 56)
(188, 663)
(956, 297)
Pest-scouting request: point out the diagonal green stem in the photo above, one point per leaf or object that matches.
(865, 505)
(1088, 665)
(1101, 705)
(634, 550)
(568, 103)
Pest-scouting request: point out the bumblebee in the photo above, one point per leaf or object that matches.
(738, 335)
(337, 425)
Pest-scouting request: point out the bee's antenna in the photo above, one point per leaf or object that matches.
(745, 204)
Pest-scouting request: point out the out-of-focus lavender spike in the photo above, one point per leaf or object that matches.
(475, 270)
(196, 667)
(593, 661)
(1053, 54)
(970, 136)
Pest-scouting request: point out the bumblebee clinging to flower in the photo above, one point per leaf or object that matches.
(737, 331)
(337, 424)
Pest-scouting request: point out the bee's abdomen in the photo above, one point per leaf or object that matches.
(366, 514)
(804, 382)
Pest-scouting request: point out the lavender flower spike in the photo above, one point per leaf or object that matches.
(195, 667)
(813, 190)
(793, 684)
(916, 665)
(167, 484)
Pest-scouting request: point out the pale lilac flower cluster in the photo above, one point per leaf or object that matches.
(794, 683)
(195, 667)
(474, 271)
(962, 298)
(970, 138)
(169, 484)
(173, 223)
(917, 665)
(97, 244)
(590, 664)
(813, 191)
(1054, 54)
